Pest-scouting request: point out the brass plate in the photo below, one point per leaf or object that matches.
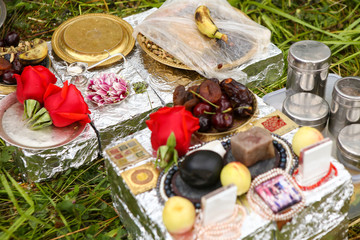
(159, 59)
(246, 57)
(239, 126)
(92, 37)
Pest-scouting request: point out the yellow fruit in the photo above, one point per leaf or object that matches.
(178, 215)
(206, 24)
(304, 137)
(238, 174)
(36, 54)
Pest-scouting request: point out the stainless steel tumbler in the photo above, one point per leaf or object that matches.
(345, 104)
(308, 67)
(307, 109)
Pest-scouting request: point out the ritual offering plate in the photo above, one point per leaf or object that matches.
(93, 37)
(223, 107)
(171, 184)
(107, 88)
(13, 128)
(159, 54)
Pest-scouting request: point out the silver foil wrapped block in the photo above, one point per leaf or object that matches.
(324, 217)
(115, 122)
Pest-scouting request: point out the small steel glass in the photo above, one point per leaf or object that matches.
(307, 109)
(308, 67)
(345, 104)
(348, 146)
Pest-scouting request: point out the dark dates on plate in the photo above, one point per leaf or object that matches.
(179, 95)
(210, 90)
(190, 104)
(4, 64)
(237, 92)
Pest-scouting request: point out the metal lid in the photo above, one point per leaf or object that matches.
(90, 38)
(309, 55)
(347, 91)
(348, 142)
(2, 12)
(306, 109)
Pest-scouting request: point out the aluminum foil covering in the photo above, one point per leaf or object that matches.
(325, 215)
(117, 121)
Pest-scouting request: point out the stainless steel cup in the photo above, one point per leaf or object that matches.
(308, 67)
(345, 104)
(348, 147)
(307, 109)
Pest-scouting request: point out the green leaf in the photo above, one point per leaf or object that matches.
(171, 141)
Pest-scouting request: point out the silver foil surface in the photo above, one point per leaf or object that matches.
(117, 121)
(324, 217)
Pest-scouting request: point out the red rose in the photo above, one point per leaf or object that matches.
(172, 119)
(65, 105)
(33, 82)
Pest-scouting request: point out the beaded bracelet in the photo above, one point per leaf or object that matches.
(261, 208)
(230, 229)
(321, 181)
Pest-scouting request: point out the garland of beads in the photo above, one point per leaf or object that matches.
(321, 181)
(262, 209)
(219, 230)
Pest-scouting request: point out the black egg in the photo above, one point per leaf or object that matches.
(201, 169)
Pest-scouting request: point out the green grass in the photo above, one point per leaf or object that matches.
(77, 204)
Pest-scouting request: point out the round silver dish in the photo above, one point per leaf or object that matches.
(2, 12)
(307, 109)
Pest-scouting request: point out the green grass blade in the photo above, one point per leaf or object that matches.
(294, 19)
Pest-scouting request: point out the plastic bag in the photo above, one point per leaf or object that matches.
(173, 28)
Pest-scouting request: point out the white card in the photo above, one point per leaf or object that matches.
(314, 162)
(218, 205)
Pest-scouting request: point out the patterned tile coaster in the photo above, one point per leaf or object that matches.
(128, 152)
(142, 178)
(277, 123)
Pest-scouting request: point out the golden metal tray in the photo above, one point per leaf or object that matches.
(160, 59)
(167, 61)
(91, 38)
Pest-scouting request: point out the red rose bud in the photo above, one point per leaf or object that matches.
(33, 82)
(172, 119)
(65, 105)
